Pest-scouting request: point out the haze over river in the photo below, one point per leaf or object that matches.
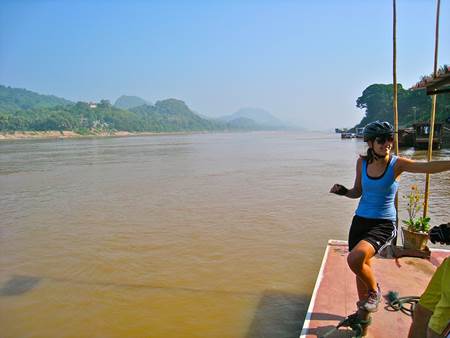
(196, 235)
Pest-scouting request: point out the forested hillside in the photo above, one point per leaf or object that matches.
(172, 115)
(13, 99)
(127, 102)
(413, 105)
(23, 110)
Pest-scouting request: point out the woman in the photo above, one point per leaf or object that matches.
(374, 223)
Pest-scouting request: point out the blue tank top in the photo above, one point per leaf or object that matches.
(378, 194)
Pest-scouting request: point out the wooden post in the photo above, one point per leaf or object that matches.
(433, 113)
(395, 105)
(394, 73)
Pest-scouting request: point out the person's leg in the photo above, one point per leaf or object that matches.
(440, 318)
(419, 326)
(359, 262)
(431, 314)
(362, 287)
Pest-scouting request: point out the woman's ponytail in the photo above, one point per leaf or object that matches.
(369, 157)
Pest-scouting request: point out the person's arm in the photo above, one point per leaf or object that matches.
(354, 192)
(432, 167)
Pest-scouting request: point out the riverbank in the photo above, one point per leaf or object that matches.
(54, 134)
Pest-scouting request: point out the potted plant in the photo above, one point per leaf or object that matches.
(415, 234)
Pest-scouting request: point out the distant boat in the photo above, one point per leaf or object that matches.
(359, 132)
(348, 135)
(422, 133)
(446, 134)
(406, 137)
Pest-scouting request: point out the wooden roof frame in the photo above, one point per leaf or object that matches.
(439, 85)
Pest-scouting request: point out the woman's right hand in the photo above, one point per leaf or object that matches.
(338, 189)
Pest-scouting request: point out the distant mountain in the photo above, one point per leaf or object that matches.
(243, 123)
(128, 102)
(174, 115)
(260, 116)
(13, 99)
(23, 110)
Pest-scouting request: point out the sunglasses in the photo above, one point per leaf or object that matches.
(384, 138)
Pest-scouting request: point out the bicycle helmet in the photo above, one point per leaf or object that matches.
(377, 128)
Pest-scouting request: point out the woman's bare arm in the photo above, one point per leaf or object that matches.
(411, 166)
(354, 192)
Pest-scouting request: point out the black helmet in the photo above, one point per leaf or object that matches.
(377, 128)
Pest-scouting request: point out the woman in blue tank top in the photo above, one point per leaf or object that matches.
(374, 223)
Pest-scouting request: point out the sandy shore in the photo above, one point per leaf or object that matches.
(23, 135)
(19, 135)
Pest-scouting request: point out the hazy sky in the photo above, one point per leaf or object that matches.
(304, 61)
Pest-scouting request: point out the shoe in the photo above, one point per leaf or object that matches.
(373, 299)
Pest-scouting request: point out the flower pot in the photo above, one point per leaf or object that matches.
(414, 240)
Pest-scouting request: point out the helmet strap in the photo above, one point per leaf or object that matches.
(377, 156)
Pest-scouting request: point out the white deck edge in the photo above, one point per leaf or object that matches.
(316, 287)
(439, 250)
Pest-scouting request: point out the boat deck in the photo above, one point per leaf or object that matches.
(334, 296)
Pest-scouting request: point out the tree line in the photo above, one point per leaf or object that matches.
(413, 105)
(22, 110)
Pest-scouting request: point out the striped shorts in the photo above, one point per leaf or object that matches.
(378, 232)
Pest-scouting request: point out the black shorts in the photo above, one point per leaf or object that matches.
(377, 232)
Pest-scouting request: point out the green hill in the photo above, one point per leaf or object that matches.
(13, 99)
(413, 105)
(173, 115)
(24, 110)
(128, 102)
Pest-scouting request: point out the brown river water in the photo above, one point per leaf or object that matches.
(196, 235)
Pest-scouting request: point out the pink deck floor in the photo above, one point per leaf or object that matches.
(334, 296)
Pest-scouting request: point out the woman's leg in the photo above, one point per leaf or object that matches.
(359, 262)
(363, 290)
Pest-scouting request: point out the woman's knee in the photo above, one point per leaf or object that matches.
(355, 260)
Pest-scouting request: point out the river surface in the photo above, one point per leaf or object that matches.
(196, 235)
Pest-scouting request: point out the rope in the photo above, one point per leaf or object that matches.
(403, 304)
